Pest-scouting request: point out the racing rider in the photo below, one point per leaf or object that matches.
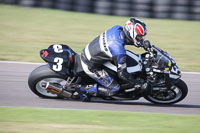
(109, 46)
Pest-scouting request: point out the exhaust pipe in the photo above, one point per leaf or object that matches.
(56, 89)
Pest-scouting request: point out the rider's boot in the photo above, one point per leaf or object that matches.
(105, 91)
(87, 92)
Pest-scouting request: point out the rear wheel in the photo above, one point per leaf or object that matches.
(174, 94)
(44, 74)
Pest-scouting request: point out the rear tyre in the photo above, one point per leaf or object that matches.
(173, 95)
(43, 74)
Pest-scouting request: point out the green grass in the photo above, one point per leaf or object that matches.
(25, 31)
(35, 120)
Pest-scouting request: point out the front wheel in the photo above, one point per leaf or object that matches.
(163, 95)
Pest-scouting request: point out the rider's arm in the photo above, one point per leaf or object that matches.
(120, 62)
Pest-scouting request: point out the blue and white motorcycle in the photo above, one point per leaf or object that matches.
(63, 75)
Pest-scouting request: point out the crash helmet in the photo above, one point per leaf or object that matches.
(135, 32)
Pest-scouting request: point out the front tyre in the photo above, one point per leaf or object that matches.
(170, 95)
(43, 74)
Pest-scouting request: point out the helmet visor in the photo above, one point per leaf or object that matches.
(140, 38)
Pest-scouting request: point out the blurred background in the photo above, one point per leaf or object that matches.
(171, 9)
(77, 22)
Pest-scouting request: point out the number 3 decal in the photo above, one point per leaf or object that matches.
(58, 66)
(57, 48)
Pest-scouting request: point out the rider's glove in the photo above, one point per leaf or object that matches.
(146, 45)
(125, 76)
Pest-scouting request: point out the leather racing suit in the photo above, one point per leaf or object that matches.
(109, 46)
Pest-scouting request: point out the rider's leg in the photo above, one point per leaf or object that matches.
(108, 86)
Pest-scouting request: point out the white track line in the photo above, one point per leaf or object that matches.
(26, 63)
(31, 63)
(191, 72)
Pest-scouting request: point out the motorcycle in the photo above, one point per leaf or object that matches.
(63, 75)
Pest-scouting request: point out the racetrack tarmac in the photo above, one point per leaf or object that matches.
(14, 92)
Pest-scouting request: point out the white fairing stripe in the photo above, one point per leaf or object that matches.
(174, 76)
(134, 68)
(129, 69)
(87, 52)
(175, 69)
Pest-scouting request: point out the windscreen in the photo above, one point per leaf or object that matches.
(162, 60)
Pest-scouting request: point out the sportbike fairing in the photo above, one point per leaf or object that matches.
(165, 63)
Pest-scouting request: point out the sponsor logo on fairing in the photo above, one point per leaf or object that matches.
(44, 53)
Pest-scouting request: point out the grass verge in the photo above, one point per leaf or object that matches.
(25, 31)
(31, 120)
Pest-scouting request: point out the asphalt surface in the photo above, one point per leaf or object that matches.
(14, 92)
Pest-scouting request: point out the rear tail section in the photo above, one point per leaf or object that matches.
(59, 57)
